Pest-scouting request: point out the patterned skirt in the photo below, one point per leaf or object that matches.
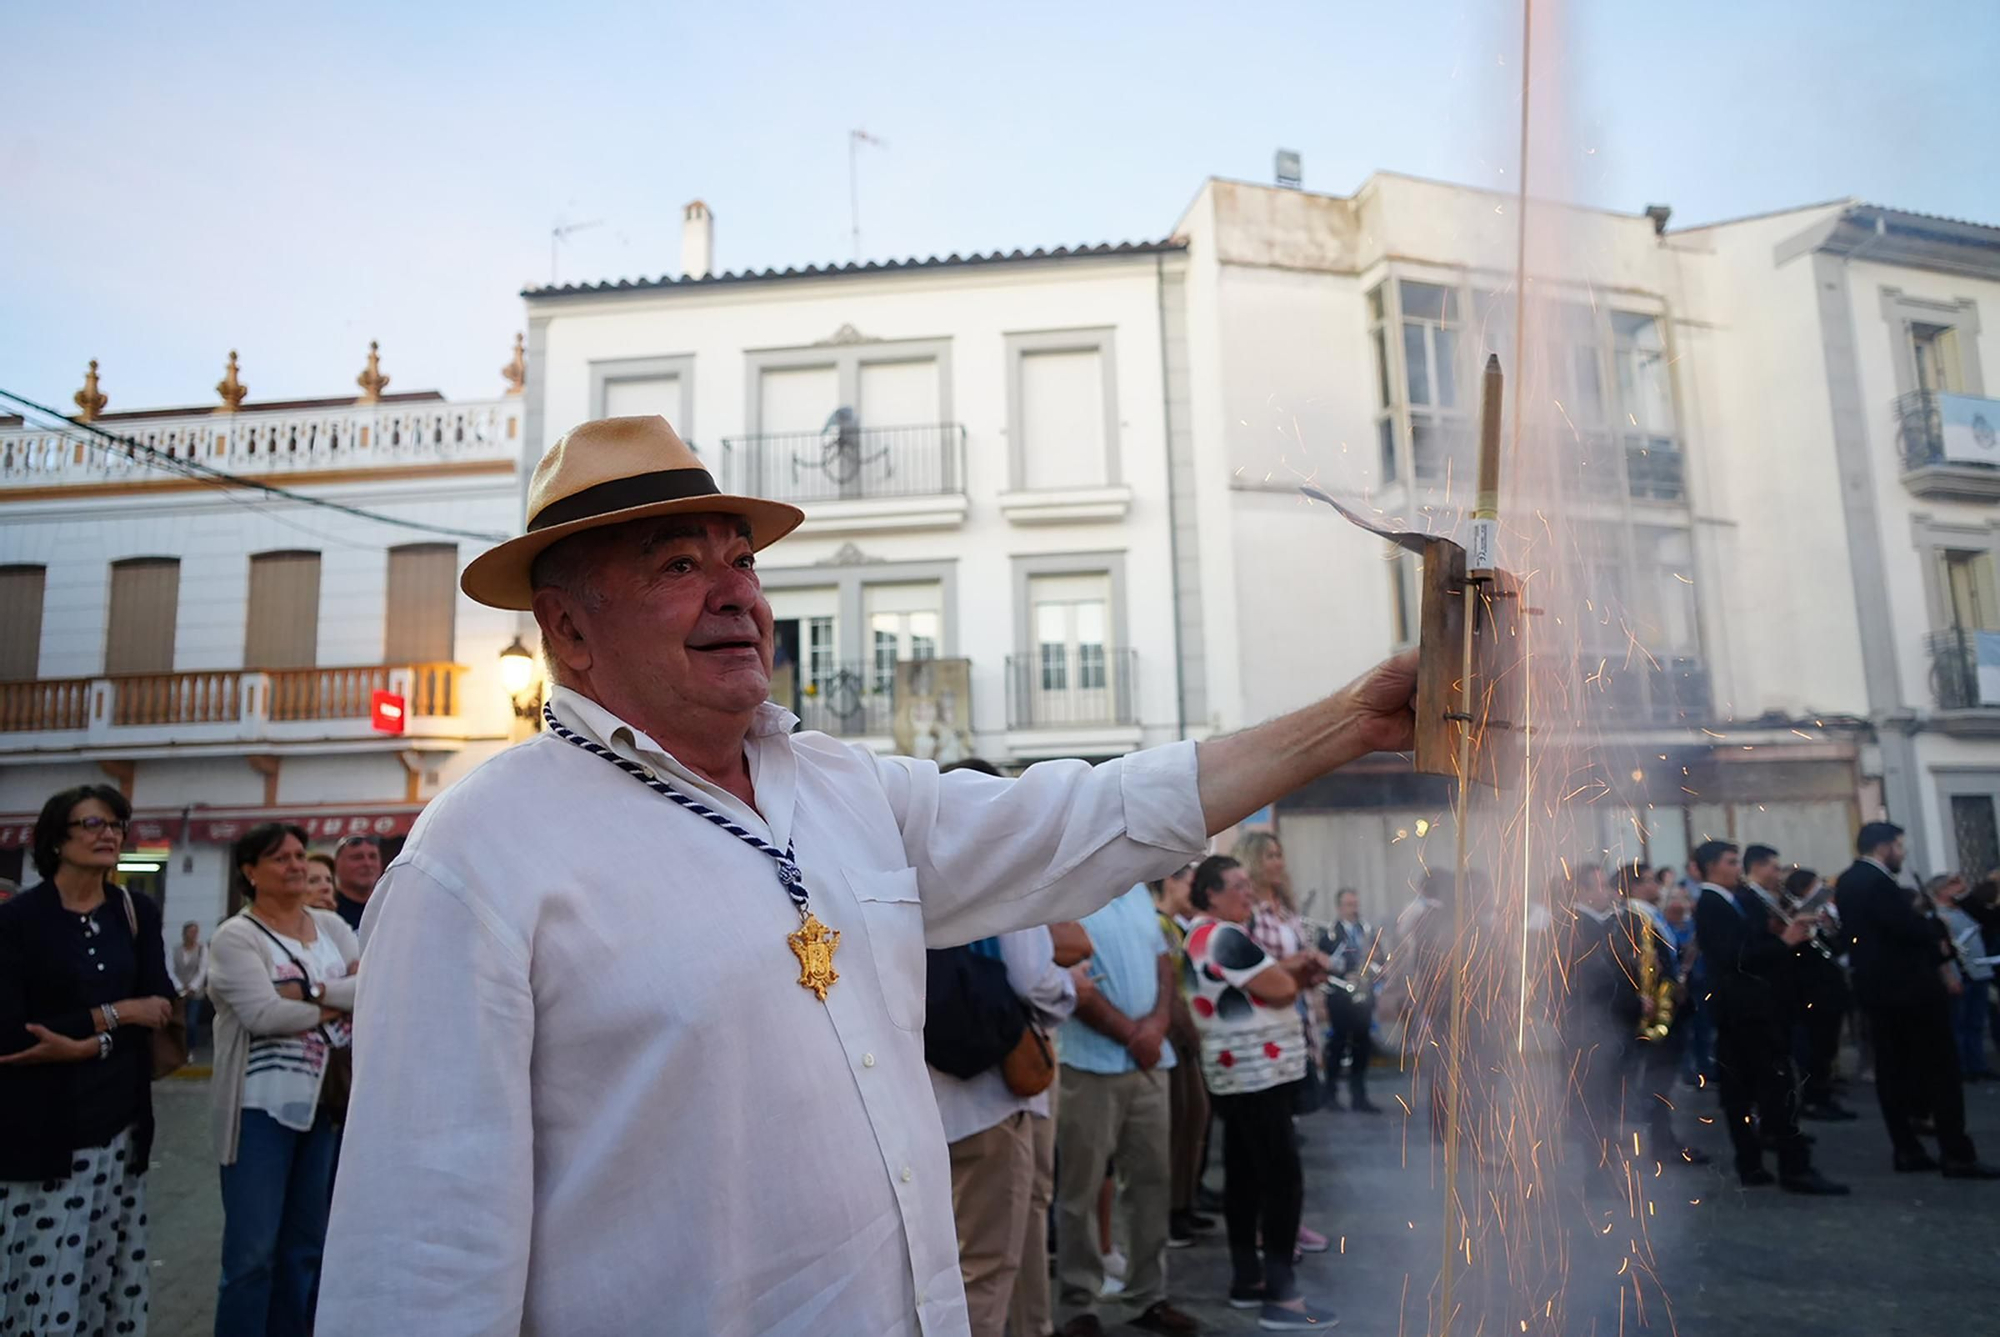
(73, 1250)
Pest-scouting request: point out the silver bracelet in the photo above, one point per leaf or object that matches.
(103, 1045)
(110, 1016)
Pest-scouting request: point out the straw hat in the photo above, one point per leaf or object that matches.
(605, 473)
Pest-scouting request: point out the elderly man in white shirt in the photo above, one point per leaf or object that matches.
(639, 1042)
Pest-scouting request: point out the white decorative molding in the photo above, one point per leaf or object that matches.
(847, 334)
(871, 515)
(1066, 505)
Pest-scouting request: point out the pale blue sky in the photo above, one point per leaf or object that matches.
(182, 180)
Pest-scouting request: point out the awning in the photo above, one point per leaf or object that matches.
(212, 827)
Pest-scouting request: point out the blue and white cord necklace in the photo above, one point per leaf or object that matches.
(814, 943)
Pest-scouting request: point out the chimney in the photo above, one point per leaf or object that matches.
(1659, 213)
(697, 241)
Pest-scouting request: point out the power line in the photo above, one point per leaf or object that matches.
(222, 478)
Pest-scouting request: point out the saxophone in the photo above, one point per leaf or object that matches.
(1654, 1028)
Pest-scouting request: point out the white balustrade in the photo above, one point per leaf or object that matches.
(262, 443)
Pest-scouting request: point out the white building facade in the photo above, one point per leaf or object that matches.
(215, 652)
(1789, 528)
(985, 452)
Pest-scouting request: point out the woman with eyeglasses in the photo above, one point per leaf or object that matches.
(83, 984)
(281, 978)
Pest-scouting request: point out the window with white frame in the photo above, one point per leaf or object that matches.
(905, 621)
(1431, 331)
(1935, 349)
(1385, 398)
(807, 622)
(1062, 418)
(1071, 624)
(796, 399)
(639, 395)
(643, 386)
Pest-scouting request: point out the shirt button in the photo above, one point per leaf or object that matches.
(93, 951)
(100, 965)
(906, 1174)
(867, 1060)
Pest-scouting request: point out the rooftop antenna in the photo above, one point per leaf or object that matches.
(855, 139)
(560, 233)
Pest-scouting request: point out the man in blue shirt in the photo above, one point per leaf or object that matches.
(1114, 1111)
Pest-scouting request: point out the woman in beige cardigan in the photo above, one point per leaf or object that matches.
(281, 979)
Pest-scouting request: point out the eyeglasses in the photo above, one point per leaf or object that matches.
(96, 824)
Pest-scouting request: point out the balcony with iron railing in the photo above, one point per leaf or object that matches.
(1949, 445)
(1644, 467)
(262, 440)
(1648, 694)
(854, 477)
(1955, 662)
(847, 700)
(225, 705)
(1072, 687)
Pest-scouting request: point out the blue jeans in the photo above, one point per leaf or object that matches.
(1970, 1025)
(274, 1207)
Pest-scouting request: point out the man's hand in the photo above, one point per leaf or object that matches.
(1796, 932)
(1384, 703)
(52, 1048)
(1144, 1047)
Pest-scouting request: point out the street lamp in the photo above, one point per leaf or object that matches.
(517, 675)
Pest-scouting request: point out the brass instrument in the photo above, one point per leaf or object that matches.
(1652, 985)
(1356, 986)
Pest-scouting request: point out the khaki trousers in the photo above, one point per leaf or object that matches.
(1121, 1118)
(1031, 1315)
(992, 1179)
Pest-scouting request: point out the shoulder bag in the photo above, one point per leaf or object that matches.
(170, 1042)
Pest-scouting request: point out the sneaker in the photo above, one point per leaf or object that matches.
(1247, 1297)
(1199, 1223)
(1178, 1235)
(1277, 1318)
(1311, 1241)
(1114, 1265)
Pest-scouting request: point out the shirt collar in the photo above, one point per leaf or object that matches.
(1652, 913)
(769, 739)
(1871, 859)
(1596, 916)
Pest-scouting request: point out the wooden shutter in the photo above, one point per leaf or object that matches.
(20, 622)
(423, 604)
(283, 627)
(145, 602)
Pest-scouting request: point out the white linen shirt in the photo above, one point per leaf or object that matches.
(590, 1095)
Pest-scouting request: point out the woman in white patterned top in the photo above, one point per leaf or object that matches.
(1252, 1055)
(281, 976)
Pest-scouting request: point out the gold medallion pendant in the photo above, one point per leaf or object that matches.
(814, 944)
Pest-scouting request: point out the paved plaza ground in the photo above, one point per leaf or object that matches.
(1905, 1256)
